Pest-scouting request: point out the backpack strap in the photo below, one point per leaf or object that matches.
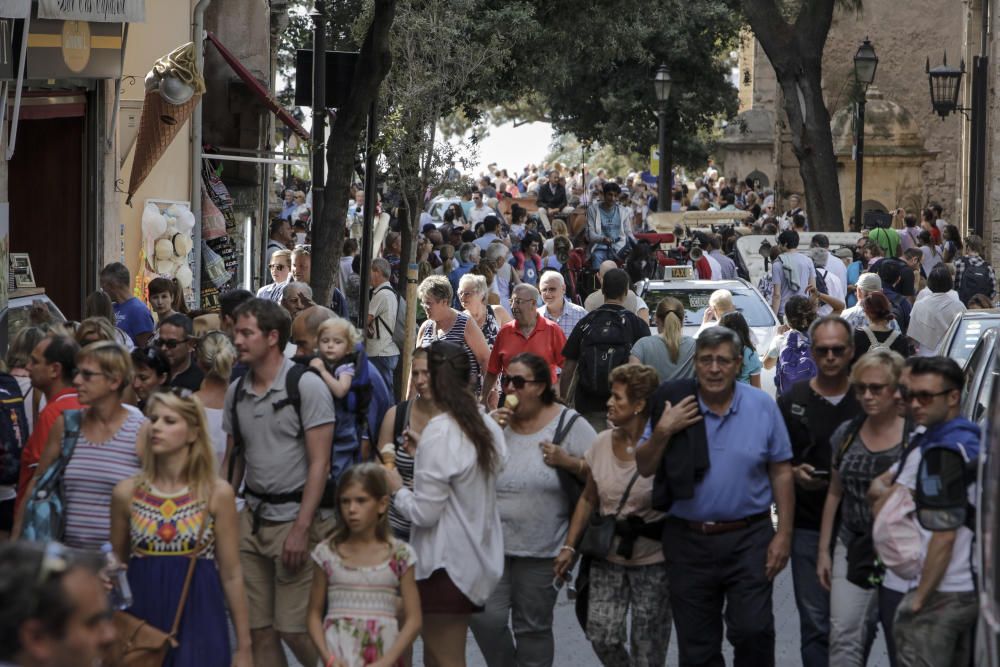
(852, 432)
(872, 340)
(234, 423)
(892, 338)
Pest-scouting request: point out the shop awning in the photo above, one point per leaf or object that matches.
(259, 90)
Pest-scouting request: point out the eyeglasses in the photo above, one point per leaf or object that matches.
(837, 350)
(463, 294)
(924, 398)
(88, 375)
(169, 344)
(517, 300)
(708, 360)
(860, 388)
(278, 267)
(518, 381)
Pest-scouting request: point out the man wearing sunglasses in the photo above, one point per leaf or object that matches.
(935, 619)
(812, 410)
(55, 609)
(176, 341)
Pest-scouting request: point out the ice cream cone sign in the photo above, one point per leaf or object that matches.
(173, 89)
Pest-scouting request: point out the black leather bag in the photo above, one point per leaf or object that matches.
(600, 532)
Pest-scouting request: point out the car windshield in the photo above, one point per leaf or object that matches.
(695, 301)
(968, 334)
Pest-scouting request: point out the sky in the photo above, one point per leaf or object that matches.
(513, 147)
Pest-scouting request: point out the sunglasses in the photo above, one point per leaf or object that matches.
(88, 375)
(860, 388)
(837, 350)
(278, 267)
(518, 381)
(169, 344)
(924, 398)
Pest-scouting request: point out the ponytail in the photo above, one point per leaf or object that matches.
(670, 312)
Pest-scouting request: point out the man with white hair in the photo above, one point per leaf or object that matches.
(632, 302)
(836, 291)
(496, 254)
(720, 302)
(557, 307)
(855, 315)
(468, 257)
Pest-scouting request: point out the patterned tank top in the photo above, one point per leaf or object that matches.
(90, 477)
(168, 524)
(456, 334)
(491, 328)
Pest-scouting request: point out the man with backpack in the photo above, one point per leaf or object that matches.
(812, 410)
(384, 309)
(934, 621)
(973, 274)
(601, 342)
(891, 274)
(285, 449)
(792, 274)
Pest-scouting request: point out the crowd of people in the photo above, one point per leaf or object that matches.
(270, 478)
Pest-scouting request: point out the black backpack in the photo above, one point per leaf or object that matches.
(13, 429)
(606, 343)
(902, 317)
(821, 282)
(975, 280)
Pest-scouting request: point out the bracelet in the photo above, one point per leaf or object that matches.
(567, 547)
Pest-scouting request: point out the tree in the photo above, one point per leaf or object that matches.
(793, 37)
(374, 62)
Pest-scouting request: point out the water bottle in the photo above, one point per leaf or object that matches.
(121, 592)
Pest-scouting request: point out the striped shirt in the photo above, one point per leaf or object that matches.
(90, 477)
(456, 335)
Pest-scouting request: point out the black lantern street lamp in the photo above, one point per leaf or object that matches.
(945, 83)
(865, 64)
(661, 86)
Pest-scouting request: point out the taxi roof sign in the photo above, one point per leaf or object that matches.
(678, 272)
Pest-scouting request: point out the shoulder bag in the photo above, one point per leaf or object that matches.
(139, 644)
(600, 531)
(572, 487)
(45, 510)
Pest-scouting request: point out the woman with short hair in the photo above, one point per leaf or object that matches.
(863, 448)
(546, 444)
(671, 354)
(631, 580)
(107, 449)
(446, 323)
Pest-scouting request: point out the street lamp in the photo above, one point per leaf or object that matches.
(865, 64)
(661, 86)
(945, 82)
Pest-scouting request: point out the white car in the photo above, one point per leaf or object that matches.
(694, 294)
(17, 314)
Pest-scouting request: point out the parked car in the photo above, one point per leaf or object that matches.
(694, 295)
(980, 379)
(17, 314)
(437, 206)
(965, 331)
(749, 260)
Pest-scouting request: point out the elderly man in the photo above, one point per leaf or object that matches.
(468, 257)
(496, 255)
(720, 302)
(632, 301)
(527, 332)
(557, 307)
(304, 328)
(721, 455)
(381, 349)
(296, 297)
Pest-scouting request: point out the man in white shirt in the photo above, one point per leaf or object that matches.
(558, 308)
(932, 315)
(479, 210)
(833, 300)
(381, 349)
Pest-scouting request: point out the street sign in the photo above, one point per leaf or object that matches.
(654, 160)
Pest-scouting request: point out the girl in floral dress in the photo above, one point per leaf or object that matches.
(361, 575)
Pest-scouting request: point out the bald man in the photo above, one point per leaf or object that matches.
(304, 328)
(632, 300)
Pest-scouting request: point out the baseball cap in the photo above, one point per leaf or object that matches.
(844, 253)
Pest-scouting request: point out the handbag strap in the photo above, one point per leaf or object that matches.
(193, 560)
(562, 427)
(628, 489)
(71, 432)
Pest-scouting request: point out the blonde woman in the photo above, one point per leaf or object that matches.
(177, 506)
(215, 355)
(671, 354)
(472, 292)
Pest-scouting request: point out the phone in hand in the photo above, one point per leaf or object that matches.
(820, 474)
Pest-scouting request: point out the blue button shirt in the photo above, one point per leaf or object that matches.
(741, 444)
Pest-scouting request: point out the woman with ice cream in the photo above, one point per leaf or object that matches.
(546, 442)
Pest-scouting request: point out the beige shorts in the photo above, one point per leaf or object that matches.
(277, 597)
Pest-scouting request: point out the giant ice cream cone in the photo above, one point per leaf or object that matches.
(173, 89)
(159, 124)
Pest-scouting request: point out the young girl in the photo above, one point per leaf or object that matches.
(335, 343)
(165, 298)
(360, 576)
(750, 372)
(175, 507)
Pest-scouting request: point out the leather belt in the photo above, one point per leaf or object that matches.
(719, 527)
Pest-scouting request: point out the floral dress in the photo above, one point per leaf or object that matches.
(362, 602)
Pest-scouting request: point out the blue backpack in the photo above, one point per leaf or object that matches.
(795, 363)
(13, 429)
(45, 510)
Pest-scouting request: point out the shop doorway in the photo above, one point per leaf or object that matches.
(47, 207)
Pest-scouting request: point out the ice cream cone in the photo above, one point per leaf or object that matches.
(159, 124)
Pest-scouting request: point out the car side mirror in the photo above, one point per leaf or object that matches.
(942, 498)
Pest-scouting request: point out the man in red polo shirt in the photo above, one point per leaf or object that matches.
(51, 367)
(527, 332)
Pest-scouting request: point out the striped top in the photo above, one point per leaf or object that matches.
(404, 465)
(90, 477)
(456, 334)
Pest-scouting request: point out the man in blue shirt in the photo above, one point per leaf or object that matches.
(721, 549)
(131, 315)
(468, 257)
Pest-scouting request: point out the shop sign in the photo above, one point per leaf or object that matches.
(101, 11)
(74, 49)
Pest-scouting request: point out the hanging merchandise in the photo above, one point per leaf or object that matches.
(213, 267)
(167, 245)
(173, 89)
(213, 223)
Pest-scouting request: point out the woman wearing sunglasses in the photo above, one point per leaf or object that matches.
(534, 513)
(865, 447)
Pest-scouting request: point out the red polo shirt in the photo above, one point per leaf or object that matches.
(32, 452)
(546, 340)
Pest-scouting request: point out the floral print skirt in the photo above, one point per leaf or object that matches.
(357, 642)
